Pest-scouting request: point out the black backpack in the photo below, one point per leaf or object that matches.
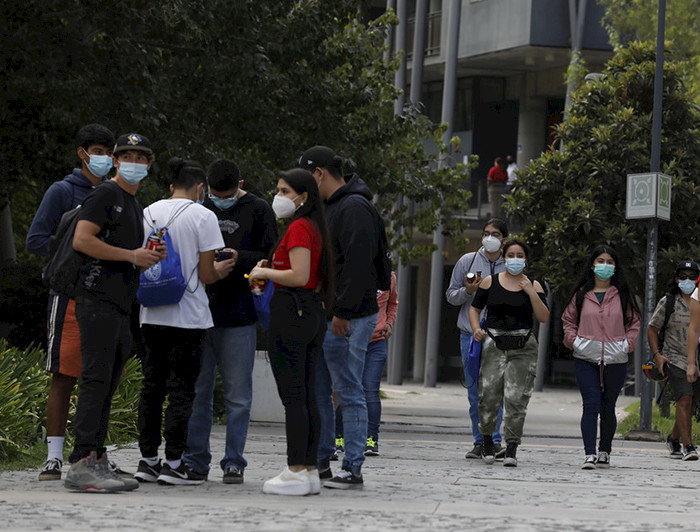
(62, 266)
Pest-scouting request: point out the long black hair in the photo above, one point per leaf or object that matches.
(302, 181)
(587, 281)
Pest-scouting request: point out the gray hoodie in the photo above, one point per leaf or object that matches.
(456, 293)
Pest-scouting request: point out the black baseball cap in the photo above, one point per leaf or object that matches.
(319, 157)
(688, 265)
(133, 141)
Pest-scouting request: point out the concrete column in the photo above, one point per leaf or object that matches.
(421, 325)
(532, 130)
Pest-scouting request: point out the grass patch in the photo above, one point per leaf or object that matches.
(32, 457)
(662, 424)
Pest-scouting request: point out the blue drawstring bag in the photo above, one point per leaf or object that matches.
(162, 283)
(262, 304)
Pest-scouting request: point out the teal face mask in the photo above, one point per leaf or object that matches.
(99, 165)
(687, 286)
(514, 265)
(604, 271)
(133, 172)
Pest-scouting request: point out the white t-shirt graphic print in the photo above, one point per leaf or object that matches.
(194, 231)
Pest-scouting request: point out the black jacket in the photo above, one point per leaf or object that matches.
(352, 223)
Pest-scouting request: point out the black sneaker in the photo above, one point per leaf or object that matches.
(326, 474)
(499, 451)
(603, 460)
(233, 475)
(182, 476)
(674, 448)
(509, 455)
(372, 447)
(345, 480)
(117, 471)
(147, 473)
(488, 455)
(475, 452)
(690, 453)
(52, 470)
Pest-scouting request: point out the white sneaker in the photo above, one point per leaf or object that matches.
(289, 483)
(315, 482)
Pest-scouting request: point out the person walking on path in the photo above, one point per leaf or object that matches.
(668, 339)
(173, 334)
(94, 144)
(354, 227)
(109, 233)
(488, 260)
(509, 353)
(248, 227)
(302, 273)
(496, 183)
(601, 325)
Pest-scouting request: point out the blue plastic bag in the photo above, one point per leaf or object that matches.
(262, 304)
(474, 357)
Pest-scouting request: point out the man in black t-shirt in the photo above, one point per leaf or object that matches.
(249, 229)
(109, 234)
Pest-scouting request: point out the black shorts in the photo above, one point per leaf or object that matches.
(680, 385)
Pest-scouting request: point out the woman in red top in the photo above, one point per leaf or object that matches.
(496, 185)
(302, 274)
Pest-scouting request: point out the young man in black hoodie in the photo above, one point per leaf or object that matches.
(354, 230)
(249, 229)
(94, 144)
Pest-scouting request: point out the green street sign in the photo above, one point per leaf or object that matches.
(649, 196)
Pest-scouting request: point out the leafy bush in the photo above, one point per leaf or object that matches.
(23, 311)
(23, 388)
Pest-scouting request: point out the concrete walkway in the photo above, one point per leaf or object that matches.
(421, 481)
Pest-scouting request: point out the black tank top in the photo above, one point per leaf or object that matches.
(505, 309)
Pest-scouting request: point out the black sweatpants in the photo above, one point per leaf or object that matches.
(297, 329)
(170, 365)
(105, 344)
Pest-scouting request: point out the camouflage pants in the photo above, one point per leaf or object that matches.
(506, 377)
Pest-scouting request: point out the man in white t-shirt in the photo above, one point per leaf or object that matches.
(511, 169)
(173, 335)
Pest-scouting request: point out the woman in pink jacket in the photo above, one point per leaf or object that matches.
(601, 325)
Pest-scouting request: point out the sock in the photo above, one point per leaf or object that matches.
(174, 464)
(150, 460)
(55, 444)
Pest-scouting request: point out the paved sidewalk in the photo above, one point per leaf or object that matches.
(421, 481)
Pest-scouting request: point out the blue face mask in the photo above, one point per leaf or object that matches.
(604, 271)
(515, 266)
(133, 173)
(687, 286)
(224, 203)
(99, 165)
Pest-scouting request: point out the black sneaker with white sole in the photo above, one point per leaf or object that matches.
(499, 451)
(233, 475)
(326, 474)
(603, 460)
(675, 450)
(345, 480)
(475, 452)
(488, 454)
(509, 459)
(181, 476)
(52, 470)
(147, 473)
(690, 453)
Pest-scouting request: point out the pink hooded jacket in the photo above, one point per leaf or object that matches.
(600, 336)
(388, 302)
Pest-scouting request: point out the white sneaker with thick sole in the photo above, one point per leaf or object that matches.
(289, 483)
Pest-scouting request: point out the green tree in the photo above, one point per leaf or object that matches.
(575, 199)
(636, 20)
(257, 81)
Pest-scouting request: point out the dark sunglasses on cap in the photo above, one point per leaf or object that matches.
(684, 276)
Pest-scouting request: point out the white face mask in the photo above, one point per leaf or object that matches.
(491, 244)
(284, 207)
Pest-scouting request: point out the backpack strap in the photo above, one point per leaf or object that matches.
(669, 308)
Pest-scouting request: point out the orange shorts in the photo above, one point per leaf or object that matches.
(63, 352)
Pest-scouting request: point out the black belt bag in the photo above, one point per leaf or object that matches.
(510, 342)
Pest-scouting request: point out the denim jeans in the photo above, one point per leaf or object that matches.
(465, 342)
(374, 367)
(599, 401)
(232, 349)
(105, 344)
(342, 363)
